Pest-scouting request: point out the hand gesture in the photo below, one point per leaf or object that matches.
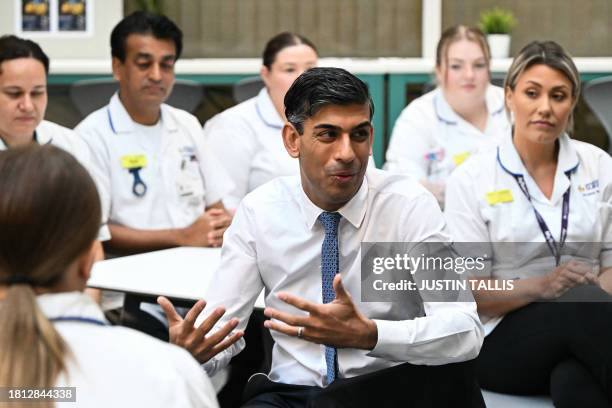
(197, 340)
(337, 323)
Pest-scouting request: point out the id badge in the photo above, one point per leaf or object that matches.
(189, 184)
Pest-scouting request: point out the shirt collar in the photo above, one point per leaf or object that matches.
(121, 122)
(70, 304)
(266, 110)
(354, 211)
(42, 138)
(509, 159)
(446, 114)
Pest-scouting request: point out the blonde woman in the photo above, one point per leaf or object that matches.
(464, 114)
(541, 188)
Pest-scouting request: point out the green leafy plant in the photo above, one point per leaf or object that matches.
(497, 21)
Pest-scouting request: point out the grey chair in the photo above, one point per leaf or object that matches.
(598, 95)
(497, 400)
(247, 88)
(91, 94)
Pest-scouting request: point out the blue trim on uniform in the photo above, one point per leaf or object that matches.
(78, 319)
(500, 110)
(263, 119)
(504, 167)
(110, 121)
(440, 118)
(573, 169)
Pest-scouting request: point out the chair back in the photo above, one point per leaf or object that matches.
(89, 95)
(598, 96)
(247, 88)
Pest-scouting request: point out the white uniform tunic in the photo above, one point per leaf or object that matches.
(429, 139)
(60, 136)
(113, 366)
(485, 204)
(247, 139)
(66, 139)
(180, 175)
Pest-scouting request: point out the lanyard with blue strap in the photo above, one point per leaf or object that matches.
(139, 188)
(555, 248)
(133, 164)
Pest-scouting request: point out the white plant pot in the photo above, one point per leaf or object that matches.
(499, 45)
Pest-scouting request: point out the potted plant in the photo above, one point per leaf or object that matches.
(497, 23)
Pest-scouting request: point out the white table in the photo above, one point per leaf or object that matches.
(182, 273)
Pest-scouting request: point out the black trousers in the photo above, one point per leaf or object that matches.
(559, 348)
(405, 385)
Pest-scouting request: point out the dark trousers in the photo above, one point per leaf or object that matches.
(563, 349)
(405, 385)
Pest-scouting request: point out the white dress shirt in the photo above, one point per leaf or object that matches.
(66, 139)
(182, 177)
(474, 218)
(247, 139)
(430, 139)
(113, 366)
(275, 243)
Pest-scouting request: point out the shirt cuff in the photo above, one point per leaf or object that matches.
(390, 334)
(104, 233)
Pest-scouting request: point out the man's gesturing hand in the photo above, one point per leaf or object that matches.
(197, 340)
(337, 323)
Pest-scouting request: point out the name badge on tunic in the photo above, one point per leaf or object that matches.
(459, 158)
(499, 196)
(189, 183)
(133, 161)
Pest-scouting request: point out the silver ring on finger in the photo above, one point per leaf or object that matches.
(300, 332)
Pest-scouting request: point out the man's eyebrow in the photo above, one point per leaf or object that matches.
(363, 124)
(326, 126)
(147, 56)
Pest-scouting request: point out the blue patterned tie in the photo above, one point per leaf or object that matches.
(329, 269)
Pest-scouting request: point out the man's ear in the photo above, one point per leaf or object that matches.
(291, 139)
(116, 64)
(371, 140)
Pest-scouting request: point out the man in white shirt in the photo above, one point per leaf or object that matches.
(159, 186)
(300, 240)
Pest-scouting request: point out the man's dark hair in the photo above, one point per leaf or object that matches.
(319, 87)
(143, 22)
(12, 47)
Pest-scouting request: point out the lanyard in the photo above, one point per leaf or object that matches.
(555, 248)
(139, 188)
(78, 319)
